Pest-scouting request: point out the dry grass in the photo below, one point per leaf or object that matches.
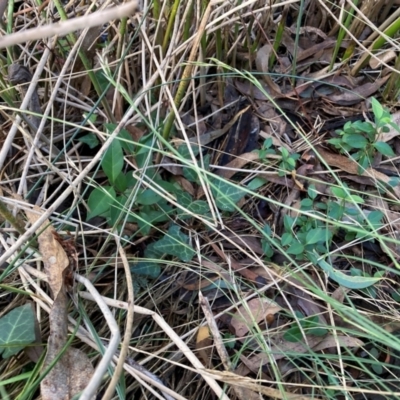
(152, 76)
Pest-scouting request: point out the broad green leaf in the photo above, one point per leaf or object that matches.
(351, 282)
(100, 201)
(295, 248)
(355, 140)
(121, 182)
(190, 174)
(256, 183)
(287, 238)
(183, 150)
(317, 235)
(147, 269)
(126, 138)
(175, 243)
(226, 194)
(148, 197)
(198, 207)
(90, 139)
(102, 80)
(145, 147)
(293, 335)
(17, 330)
(116, 208)
(113, 161)
(384, 149)
(377, 108)
(312, 191)
(375, 218)
(306, 203)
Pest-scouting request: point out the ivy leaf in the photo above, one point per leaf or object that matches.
(175, 243)
(226, 194)
(100, 201)
(113, 161)
(199, 207)
(148, 197)
(17, 330)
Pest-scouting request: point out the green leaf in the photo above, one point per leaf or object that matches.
(113, 161)
(116, 208)
(175, 243)
(90, 139)
(126, 138)
(226, 194)
(183, 150)
(384, 149)
(256, 183)
(147, 269)
(316, 235)
(306, 204)
(375, 218)
(102, 80)
(339, 192)
(184, 199)
(17, 330)
(312, 192)
(287, 238)
(121, 182)
(199, 207)
(355, 140)
(296, 248)
(148, 197)
(377, 108)
(351, 282)
(293, 335)
(191, 174)
(100, 201)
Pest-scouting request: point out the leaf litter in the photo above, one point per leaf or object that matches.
(246, 203)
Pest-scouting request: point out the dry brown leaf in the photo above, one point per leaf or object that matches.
(72, 372)
(55, 260)
(343, 341)
(348, 165)
(279, 352)
(204, 344)
(262, 61)
(382, 58)
(237, 163)
(348, 98)
(249, 383)
(257, 310)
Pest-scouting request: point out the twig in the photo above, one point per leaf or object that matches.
(65, 27)
(129, 324)
(199, 367)
(97, 377)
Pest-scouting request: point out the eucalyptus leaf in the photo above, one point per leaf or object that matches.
(351, 282)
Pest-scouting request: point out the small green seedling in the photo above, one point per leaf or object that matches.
(359, 138)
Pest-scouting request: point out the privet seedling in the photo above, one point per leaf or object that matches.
(359, 139)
